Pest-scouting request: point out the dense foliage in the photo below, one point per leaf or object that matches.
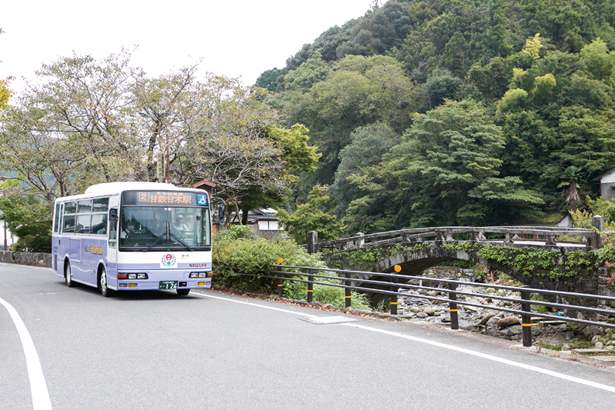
(238, 249)
(473, 112)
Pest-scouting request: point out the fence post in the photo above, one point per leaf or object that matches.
(359, 242)
(598, 223)
(397, 269)
(280, 280)
(312, 240)
(526, 319)
(452, 306)
(310, 286)
(348, 294)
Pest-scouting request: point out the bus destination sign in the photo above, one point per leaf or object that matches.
(165, 197)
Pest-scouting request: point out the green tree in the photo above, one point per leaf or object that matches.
(367, 147)
(270, 79)
(27, 217)
(311, 217)
(296, 156)
(358, 92)
(307, 74)
(445, 172)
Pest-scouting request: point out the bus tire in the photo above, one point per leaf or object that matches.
(183, 292)
(67, 275)
(102, 283)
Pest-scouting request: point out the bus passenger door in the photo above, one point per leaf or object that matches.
(112, 246)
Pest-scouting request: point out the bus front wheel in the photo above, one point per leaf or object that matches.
(102, 283)
(67, 275)
(183, 292)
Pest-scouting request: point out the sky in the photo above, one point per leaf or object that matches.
(241, 38)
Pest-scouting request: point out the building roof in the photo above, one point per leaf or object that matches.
(599, 177)
(204, 182)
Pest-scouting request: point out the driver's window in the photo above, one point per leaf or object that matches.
(112, 231)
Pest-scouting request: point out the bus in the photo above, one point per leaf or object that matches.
(131, 236)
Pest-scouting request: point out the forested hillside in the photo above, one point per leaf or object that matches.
(447, 112)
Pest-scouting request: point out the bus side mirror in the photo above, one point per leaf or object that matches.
(113, 215)
(221, 209)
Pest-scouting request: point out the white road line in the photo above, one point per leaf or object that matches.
(441, 345)
(252, 304)
(38, 385)
(489, 357)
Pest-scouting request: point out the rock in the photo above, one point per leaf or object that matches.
(421, 315)
(414, 309)
(467, 325)
(566, 347)
(593, 330)
(513, 330)
(490, 290)
(432, 293)
(485, 319)
(569, 335)
(599, 345)
(470, 309)
(595, 339)
(429, 311)
(508, 321)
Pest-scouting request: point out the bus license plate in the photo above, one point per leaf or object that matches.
(167, 284)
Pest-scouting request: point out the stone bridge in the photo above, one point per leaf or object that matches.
(541, 257)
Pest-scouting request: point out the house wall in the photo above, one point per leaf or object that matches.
(607, 190)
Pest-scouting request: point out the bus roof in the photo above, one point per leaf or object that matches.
(114, 188)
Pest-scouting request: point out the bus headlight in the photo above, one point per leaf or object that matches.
(132, 276)
(198, 274)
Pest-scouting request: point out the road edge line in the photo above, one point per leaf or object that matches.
(38, 385)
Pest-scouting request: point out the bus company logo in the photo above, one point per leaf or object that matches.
(169, 260)
(95, 249)
(197, 265)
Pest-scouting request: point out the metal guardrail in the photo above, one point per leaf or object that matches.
(309, 275)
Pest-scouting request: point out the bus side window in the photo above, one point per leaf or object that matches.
(69, 224)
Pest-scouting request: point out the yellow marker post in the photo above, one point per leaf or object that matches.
(280, 281)
(397, 269)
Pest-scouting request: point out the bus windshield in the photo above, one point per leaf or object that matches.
(145, 227)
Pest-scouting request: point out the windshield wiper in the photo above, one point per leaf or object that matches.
(181, 241)
(155, 242)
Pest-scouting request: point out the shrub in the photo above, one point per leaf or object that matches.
(239, 251)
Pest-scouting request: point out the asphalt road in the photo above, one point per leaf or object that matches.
(158, 350)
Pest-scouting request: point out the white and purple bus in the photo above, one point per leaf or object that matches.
(129, 236)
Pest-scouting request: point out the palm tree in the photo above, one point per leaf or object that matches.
(570, 177)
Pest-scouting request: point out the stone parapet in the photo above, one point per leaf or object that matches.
(26, 258)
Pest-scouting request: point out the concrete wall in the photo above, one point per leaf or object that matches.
(26, 258)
